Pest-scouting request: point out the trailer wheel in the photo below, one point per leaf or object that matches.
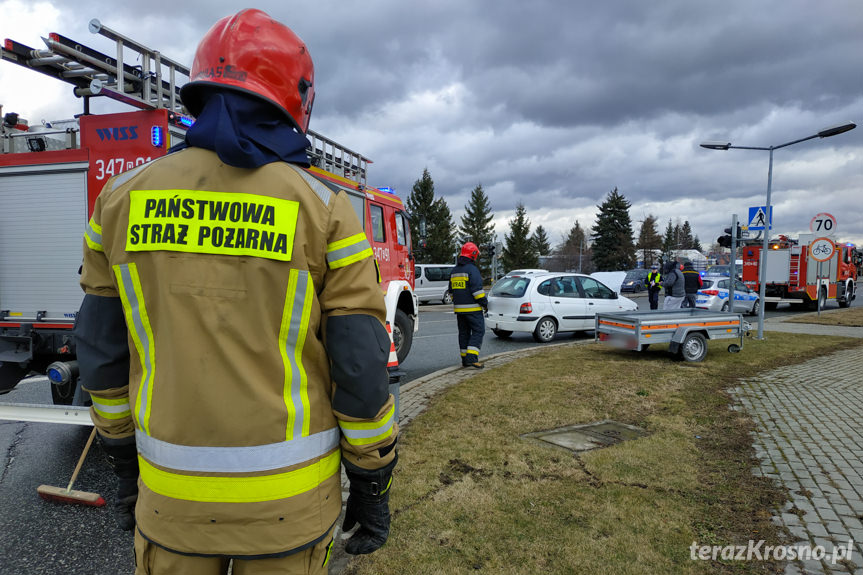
(545, 330)
(694, 347)
(403, 335)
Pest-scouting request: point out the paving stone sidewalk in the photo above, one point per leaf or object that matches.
(809, 438)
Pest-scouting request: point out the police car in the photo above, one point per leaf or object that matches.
(713, 295)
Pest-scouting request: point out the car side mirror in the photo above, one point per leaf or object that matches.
(614, 295)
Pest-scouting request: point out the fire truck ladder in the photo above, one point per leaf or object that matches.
(145, 86)
(151, 84)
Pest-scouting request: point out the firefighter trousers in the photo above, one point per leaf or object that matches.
(151, 559)
(471, 329)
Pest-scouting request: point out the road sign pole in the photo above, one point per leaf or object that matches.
(762, 270)
(732, 267)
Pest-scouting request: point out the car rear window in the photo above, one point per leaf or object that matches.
(510, 287)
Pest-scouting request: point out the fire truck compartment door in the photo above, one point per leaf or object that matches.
(43, 212)
(829, 269)
(778, 266)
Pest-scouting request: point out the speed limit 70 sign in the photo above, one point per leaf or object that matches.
(823, 223)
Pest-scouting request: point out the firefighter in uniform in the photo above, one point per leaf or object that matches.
(469, 303)
(654, 284)
(232, 331)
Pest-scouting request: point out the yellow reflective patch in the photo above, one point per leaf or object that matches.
(459, 283)
(242, 489)
(212, 223)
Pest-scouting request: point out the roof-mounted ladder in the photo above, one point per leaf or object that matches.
(153, 83)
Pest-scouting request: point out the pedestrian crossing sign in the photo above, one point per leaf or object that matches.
(758, 219)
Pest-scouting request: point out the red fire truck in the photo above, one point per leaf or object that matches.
(803, 271)
(51, 174)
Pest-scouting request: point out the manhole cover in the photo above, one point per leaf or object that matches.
(589, 436)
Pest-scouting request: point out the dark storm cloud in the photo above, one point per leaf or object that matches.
(555, 103)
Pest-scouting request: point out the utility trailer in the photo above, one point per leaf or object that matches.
(685, 330)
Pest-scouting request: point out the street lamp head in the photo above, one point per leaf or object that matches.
(834, 130)
(715, 145)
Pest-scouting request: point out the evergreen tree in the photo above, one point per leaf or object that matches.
(441, 243)
(649, 240)
(696, 243)
(518, 249)
(686, 239)
(573, 254)
(476, 227)
(613, 249)
(669, 243)
(438, 243)
(540, 241)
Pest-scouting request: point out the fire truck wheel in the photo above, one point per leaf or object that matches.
(822, 298)
(403, 335)
(10, 374)
(770, 305)
(845, 301)
(694, 347)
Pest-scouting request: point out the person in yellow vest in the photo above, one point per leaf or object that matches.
(654, 284)
(232, 332)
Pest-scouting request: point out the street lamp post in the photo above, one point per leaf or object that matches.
(762, 268)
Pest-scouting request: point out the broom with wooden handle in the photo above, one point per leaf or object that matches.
(69, 495)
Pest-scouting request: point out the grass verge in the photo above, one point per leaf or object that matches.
(470, 495)
(850, 317)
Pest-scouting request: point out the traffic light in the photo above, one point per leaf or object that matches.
(725, 241)
(490, 250)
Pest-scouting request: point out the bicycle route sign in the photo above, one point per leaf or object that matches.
(821, 249)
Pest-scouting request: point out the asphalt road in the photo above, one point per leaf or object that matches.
(37, 537)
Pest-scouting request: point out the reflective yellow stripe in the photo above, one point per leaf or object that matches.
(204, 222)
(111, 408)
(292, 337)
(348, 241)
(138, 322)
(242, 489)
(466, 308)
(112, 415)
(368, 432)
(348, 250)
(93, 236)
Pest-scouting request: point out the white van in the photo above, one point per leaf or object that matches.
(432, 283)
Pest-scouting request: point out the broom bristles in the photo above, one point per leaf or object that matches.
(61, 495)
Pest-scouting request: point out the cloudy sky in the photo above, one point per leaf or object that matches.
(551, 103)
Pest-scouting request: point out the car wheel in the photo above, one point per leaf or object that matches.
(447, 297)
(403, 335)
(694, 347)
(754, 310)
(725, 306)
(545, 330)
(502, 333)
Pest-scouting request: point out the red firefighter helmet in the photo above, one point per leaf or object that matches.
(469, 250)
(250, 52)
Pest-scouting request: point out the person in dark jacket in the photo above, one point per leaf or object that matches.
(654, 284)
(469, 304)
(672, 283)
(691, 284)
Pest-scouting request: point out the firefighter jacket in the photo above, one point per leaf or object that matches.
(257, 350)
(466, 287)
